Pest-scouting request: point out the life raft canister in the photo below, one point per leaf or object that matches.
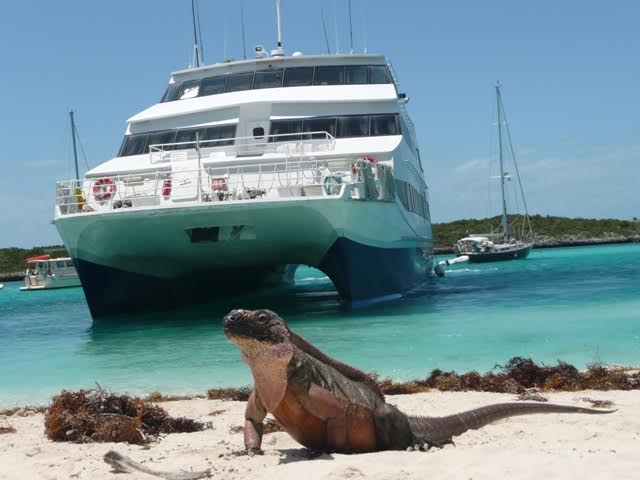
(166, 187)
(103, 189)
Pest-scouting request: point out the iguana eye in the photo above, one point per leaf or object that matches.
(263, 317)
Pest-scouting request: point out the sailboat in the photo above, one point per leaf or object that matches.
(510, 242)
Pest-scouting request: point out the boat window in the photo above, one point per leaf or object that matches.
(379, 74)
(298, 77)
(329, 76)
(133, 145)
(258, 132)
(61, 264)
(239, 81)
(225, 135)
(383, 125)
(189, 89)
(356, 126)
(171, 93)
(287, 128)
(320, 125)
(159, 138)
(268, 79)
(188, 136)
(213, 85)
(356, 75)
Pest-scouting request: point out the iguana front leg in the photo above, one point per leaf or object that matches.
(254, 415)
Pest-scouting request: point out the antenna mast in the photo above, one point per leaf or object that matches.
(350, 28)
(279, 26)
(75, 151)
(197, 54)
(244, 48)
(324, 27)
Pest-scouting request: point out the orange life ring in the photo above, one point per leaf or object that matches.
(103, 189)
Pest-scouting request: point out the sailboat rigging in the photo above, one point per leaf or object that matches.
(507, 244)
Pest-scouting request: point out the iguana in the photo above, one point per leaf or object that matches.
(329, 406)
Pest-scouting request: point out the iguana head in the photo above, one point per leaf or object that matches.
(265, 342)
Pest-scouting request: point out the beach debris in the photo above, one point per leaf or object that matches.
(318, 394)
(595, 403)
(237, 394)
(22, 411)
(99, 416)
(215, 413)
(532, 395)
(123, 464)
(6, 428)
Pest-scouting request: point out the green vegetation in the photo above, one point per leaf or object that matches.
(446, 234)
(13, 259)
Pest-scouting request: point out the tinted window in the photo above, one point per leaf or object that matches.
(189, 89)
(159, 138)
(357, 75)
(133, 145)
(287, 128)
(213, 85)
(298, 77)
(268, 79)
(239, 81)
(357, 126)
(188, 136)
(171, 93)
(329, 76)
(320, 125)
(379, 74)
(383, 125)
(224, 133)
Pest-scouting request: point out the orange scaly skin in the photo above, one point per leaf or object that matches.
(328, 406)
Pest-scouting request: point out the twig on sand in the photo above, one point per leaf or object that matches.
(123, 464)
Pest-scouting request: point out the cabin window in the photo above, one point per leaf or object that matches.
(239, 81)
(329, 76)
(225, 135)
(379, 74)
(356, 126)
(188, 136)
(320, 125)
(298, 77)
(213, 85)
(189, 89)
(356, 75)
(268, 79)
(160, 138)
(171, 93)
(287, 128)
(258, 132)
(383, 125)
(133, 145)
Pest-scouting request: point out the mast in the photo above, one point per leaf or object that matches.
(197, 55)
(75, 151)
(505, 220)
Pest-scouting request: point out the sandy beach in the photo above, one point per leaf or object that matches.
(547, 446)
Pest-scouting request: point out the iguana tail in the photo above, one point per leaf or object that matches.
(440, 430)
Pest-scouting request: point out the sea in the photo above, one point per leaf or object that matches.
(579, 305)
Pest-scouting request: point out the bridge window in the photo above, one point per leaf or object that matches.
(268, 79)
(329, 76)
(213, 85)
(379, 74)
(188, 136)
(384, 125)
(357, 75)
(189, 89)
(298, 77)
(356, 126)
(224, 134)
(160, 138)
(320, 125)
(239, 81)
(133, 145)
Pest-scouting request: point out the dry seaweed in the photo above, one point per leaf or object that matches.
(532, 395)
(215, 413)
(7, 429)
(99, 416)
(519, 375)
(598, 403)
(237, 394)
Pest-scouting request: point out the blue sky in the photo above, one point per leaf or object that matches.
(570, 72)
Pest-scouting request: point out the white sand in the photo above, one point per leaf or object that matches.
(567, 446)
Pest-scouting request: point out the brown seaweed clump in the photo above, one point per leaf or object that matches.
(99, 416)
(238, 394)
(518, 376)
(7, 429)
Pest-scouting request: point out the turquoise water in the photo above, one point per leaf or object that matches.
(573, 304)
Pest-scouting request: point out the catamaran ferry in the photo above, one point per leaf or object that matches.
(243, 171)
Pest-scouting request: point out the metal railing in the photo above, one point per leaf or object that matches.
(301, 144)
(277, 180)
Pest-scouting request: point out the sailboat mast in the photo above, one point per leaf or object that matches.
(505, 220)
(75, 151)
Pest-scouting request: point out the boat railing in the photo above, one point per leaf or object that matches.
(301, 144)
(292, 178)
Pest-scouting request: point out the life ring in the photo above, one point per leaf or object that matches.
(103, 189)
